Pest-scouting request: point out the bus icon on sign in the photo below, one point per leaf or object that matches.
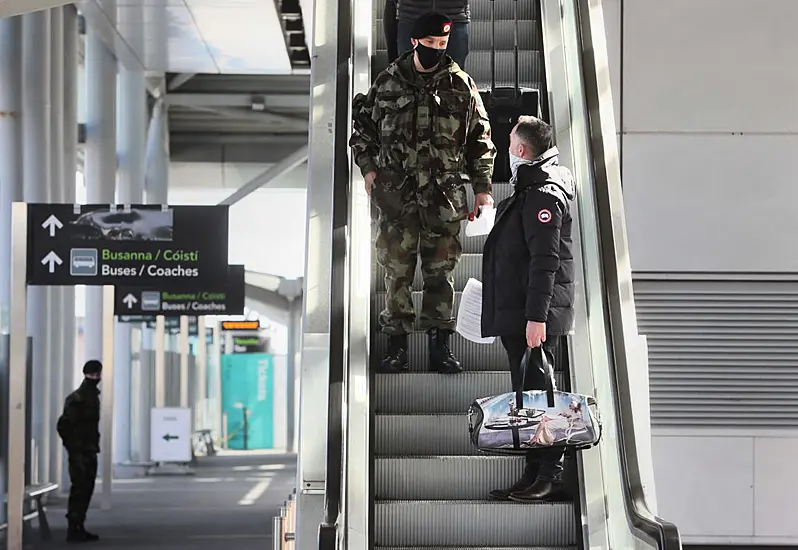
(150, 301)
(83, 262)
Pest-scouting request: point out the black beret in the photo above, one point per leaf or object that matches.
(92, 367)
(431, 24)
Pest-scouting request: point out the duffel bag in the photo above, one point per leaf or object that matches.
(515, 422)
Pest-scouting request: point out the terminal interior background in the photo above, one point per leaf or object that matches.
(707, 132)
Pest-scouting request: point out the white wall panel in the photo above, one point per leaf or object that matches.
(776, 484)
(710, 66)
(706, 484)
(711, 203)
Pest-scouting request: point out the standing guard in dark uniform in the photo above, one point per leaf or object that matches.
(79, 428)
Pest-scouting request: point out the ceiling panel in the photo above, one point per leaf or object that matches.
(243, 39)
(193, 36)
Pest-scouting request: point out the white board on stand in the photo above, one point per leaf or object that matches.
(170, 434)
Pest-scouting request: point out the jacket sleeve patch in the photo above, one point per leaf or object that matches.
(544, 215)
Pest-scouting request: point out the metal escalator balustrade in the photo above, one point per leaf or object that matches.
(430, 485)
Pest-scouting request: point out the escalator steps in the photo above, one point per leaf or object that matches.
(473, 523)
(432, 393)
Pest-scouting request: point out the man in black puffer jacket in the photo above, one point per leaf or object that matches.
(407, 11)
(528, 282)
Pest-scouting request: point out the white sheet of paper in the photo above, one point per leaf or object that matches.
(482, 224)
(469, 315)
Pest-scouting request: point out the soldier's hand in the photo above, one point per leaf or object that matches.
(482, 199)
(535, 334)
(369, 179)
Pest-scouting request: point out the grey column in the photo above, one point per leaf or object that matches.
(294, 330)
(100, 162)
(36, 176)
(57, 186)
(70, 62)
(157, 183)
(10, 190)
(132, 136)
(10, 147)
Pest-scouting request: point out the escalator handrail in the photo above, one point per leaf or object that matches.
(617, 280)
(334, 478)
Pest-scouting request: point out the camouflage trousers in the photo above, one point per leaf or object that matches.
(415, 230)
(82, 475)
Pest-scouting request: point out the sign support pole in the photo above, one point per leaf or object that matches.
(107, 396)
(201, 384)
(184, 352)
(160, 362)
(17, 375)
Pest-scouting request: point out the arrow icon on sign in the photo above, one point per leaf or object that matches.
(168, 437)
(53, 224)
(51, 260)
(129, 300)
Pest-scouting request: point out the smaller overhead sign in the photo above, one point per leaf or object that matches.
(250, 344)
(170, 435)
(224, 298)
(241, 325)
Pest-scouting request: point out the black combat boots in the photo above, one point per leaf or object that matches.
(396, 359)
(441, 358)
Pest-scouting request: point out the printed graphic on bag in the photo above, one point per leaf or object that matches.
(504, 426)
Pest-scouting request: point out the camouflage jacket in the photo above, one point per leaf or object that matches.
(430, 127)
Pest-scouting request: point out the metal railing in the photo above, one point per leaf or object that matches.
(334, 478)
(616, 269)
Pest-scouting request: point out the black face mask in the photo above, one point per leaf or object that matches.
(429, 57)
(92, 382)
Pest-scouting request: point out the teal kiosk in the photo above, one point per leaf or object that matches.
(248, 394)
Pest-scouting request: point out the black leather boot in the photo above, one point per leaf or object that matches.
(526, 481)
(441, 358)
(396, 358)
(541, 490)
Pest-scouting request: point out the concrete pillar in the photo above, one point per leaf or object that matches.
(294, 330)
(10, 189)
(131, 140)
(10, 147)
(158, 156)
(57, 187)
(100, 162)
(69, 328)
(36, 177)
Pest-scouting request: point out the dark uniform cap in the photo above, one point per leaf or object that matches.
(92, 367)
(431, 24)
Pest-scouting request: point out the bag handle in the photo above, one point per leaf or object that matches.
(545, 369)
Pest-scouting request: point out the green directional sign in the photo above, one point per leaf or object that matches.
(168, 437)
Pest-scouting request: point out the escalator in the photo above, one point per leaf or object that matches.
(426, 472)
(401, 472)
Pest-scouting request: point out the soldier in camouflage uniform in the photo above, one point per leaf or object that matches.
(79, 428)
(420, 126)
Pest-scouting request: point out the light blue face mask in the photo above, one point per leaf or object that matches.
(515, 162)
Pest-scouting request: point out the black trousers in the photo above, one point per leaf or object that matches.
(544, 464)
(82, 475)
